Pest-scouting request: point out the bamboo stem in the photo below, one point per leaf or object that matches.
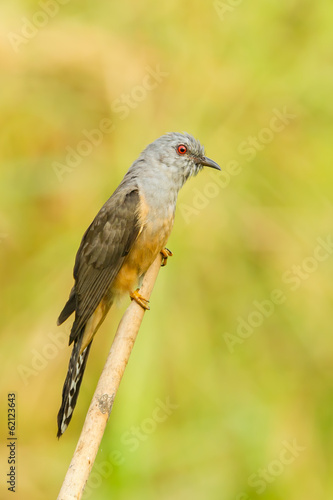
(106, 390)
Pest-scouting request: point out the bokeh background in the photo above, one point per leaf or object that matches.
(250, 409)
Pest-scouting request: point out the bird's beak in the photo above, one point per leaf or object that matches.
(207, 162)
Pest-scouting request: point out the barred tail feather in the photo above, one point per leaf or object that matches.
(70, 391)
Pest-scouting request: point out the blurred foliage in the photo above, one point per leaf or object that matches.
(234, 242)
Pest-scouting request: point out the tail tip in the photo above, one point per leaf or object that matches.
(62, 426)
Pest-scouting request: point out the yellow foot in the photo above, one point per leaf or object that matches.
(139, 299)
(165, 254)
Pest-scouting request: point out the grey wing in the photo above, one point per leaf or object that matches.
(103, 249)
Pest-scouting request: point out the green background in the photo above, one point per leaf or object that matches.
(228, 68)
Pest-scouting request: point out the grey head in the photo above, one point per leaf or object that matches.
(174, 156)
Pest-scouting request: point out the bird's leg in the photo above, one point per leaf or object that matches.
(165, 254)
(139, 299)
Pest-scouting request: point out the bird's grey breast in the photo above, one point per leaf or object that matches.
(160, 198)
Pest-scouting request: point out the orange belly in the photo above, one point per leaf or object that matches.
(143, 253)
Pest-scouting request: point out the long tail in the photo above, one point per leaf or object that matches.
(70, 391)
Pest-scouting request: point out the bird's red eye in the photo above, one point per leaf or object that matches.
(182, 149)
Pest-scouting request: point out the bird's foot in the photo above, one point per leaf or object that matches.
(139, 299)
(165, 254)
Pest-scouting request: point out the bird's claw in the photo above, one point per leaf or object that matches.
(140, 300)
(165, 254)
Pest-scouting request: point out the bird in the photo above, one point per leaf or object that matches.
(123, 240)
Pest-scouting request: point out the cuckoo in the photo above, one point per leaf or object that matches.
(120, 244)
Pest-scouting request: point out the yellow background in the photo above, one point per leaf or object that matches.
(228, 67)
